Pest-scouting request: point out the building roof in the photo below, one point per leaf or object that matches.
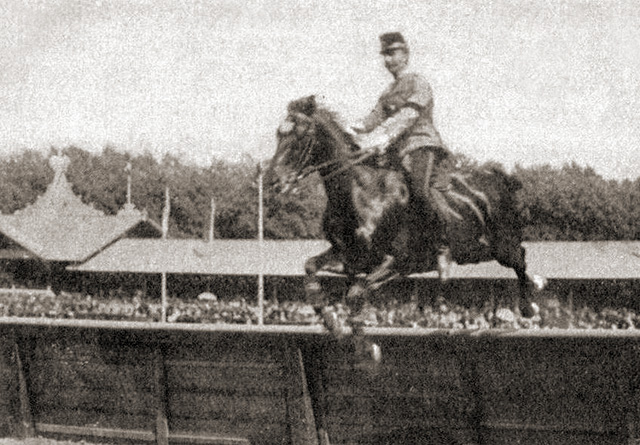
(554, 260)
(217, 257)
(60, 227)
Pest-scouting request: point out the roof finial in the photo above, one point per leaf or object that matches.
(59, 163)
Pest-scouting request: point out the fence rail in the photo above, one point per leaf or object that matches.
(132, 382)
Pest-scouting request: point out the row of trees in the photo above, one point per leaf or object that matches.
(568, 203)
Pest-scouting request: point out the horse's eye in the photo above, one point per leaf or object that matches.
(286, 127)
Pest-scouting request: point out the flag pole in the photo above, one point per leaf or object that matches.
(165, 231)
(213, 219)
(260, 246)
(128, 170)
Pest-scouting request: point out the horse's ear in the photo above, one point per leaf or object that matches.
(309, 105)
(306, 105)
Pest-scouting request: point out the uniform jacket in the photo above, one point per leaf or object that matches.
(408, 90)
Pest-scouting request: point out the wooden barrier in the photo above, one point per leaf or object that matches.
(122, 382)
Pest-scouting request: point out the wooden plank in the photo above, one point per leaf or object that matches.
(160, 379)
(22, 365)
(315, 330)
(95, 418)
(583, 427)
(257, 432)
(85, 431)
(510, 437)
(9, 423)
(315, 358)
(227, 348)
(83, 399)
(137, 435)
(628, 378)
(254, 408)
(519, 388)
(207, 439)
(85, 376)
(225, 378)
(299, 408)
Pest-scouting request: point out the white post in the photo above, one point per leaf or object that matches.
(165, 231)
(128, 170)
(165, 213)
(260, 246)
(212, 220)
(163, 317)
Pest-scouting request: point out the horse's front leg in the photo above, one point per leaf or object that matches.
(328, 261)
(361, 288)
(366, 351)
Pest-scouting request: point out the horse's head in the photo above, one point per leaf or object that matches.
(307, 139)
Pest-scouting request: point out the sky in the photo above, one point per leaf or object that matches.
(526, 82)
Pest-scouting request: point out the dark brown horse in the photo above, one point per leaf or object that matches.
(376, 231)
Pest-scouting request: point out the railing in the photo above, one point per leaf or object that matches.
(131, 382)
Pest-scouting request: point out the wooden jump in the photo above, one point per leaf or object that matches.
(124, 382)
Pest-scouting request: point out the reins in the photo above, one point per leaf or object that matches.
(309, 170)
(357, 158)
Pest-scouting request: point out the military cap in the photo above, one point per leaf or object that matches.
(391, 41)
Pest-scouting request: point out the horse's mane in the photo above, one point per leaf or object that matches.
(331, 121)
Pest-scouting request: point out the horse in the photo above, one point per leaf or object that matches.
(376, 230)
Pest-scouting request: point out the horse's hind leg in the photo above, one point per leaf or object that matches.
(360, 289)
(513, 256)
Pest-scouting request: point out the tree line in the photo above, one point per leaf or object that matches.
(570, 203)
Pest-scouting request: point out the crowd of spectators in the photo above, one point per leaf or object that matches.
(209, 309)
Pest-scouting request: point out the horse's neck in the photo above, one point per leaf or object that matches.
(351, 192)
(339, 174)
(339, 188)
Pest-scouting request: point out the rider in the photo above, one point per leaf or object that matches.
(402, 123)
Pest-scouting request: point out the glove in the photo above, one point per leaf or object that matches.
(356, 129)
(387, 132)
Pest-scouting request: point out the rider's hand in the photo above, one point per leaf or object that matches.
(352, 131)
(356, 129)
(375, 142)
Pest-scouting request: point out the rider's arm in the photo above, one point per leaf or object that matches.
(417, 95)
(390, 130)
(371, 121)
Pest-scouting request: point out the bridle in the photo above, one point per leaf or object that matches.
(336, 166)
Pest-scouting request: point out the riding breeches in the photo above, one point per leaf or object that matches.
(420, 165)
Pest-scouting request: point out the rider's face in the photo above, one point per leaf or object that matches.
(396, 60)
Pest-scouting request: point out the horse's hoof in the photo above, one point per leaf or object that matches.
(375, 352)
(530, 310)
(539, 282)
(536, 282)
(356, 292)
(368, 355)
(333, 324)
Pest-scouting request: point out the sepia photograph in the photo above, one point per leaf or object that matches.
(319, 222)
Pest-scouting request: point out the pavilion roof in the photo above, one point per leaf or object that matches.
(60, 227)
(554, 260)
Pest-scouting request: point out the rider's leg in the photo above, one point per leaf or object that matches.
(420, 164)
